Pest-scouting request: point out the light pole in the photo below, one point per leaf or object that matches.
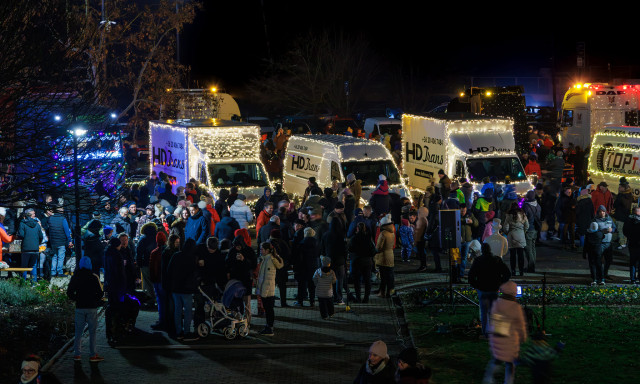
(77, 132)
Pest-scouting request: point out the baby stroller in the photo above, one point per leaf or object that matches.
(226, 316)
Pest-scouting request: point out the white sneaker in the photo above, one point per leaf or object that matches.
(622, 246)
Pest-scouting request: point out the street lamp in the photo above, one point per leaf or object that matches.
(76, 133)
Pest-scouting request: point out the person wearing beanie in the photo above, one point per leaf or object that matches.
(378, 367)
(338, 212)
(607, 227)
(515, 227)
(324, 278)
(155, 277)
(444, 183)
(584, 215)
(622, 209)
(380, 200)
(533, 211)
(384, 259)
(92, 244)
(311, 184)
(507, 331)
(305, 253)
(85, 289)
(146, 218)
(354, 187)
(410, 371)
(264, 216)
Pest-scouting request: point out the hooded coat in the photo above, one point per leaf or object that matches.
(30, 232)
(241, 213)
(266, 284)
(225, 228)
(146, 244)
(197, 228)
(262, 200)
(515, 228)
(508, 348)
(622, 205)
(384, 245)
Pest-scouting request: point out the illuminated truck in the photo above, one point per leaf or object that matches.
(218, 153)
(463, 145)
(615, 153)
(588, 107)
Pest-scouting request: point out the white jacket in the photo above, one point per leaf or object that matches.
(241, 212)
(266, 286)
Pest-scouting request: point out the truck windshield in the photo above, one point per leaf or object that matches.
(240, 174)
(368, 171)
(498, 167)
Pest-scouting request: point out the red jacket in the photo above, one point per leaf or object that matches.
(5, 239)
(533, 167)
(215, 218)
(598, 198)
(263, 218)
(155, 259)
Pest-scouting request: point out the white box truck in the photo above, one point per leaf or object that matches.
(218, 153)
(615, 153)
(333, 157)
(468, 146)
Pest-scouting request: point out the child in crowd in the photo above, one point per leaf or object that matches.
(406, 238)
(324, 278)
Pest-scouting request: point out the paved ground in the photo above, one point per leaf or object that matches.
(305, 348)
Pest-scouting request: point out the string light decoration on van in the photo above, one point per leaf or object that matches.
(629, 155)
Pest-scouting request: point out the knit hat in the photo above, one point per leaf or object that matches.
(440, 171)
(603, 184)
(351, 177)
(150, 206)
(114, 242)
(379, 348)
(623, 181)
(161, 238)
(312, 180)
(107, 229)
(170, 210)
(325, 261)
(405, 222)
(202, 204)
(509, 288)
(382, 177)
(242, 197)
(85, 263)
(358, 212)
(386, 220)
(531, 195)
(309, 232)
(602, 208)
(409, 356)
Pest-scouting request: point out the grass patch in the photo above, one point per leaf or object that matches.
(601, 343)
(35, 319)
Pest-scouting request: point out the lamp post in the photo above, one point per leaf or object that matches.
(77, 132)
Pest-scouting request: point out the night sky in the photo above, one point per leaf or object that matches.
(227, 42)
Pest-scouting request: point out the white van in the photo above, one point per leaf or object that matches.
(333, 157)
(381, 125)
(615, 153)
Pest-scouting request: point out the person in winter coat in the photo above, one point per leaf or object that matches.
(378, 368)
(488, 221)
(30, 231)
(282, 275)
(444, 183)
(182, 280)
(488, 272)
(602, 196)
(355, 186)
(269, 262)
(324, 278)
(510, 196)
(263, 218)
(607, 226)
(146, 218)
(361, 252)
(532, 209)
(197, 227)
(419, 237)
(566, 213)
(221, 205)
(85, 289)
(410, 371)
(622, 209)
(122, 223)
(146, 245)
(328, 202)
(278, 195)
(384, 257)
(5, 238)
(59, 239)
(498, 243)
(334, 247)
(468, 223)
(240, 263)
(508, 333)
(467, 191)
(241, 212)
(533, 167)
(92, 244)
(155, 277)
(593, 253)
(178, 226)
(515, 227)
(306, 254)
(265, 198)
(226, 228)
(584, 214)
(206, 205)
(632, 232)
(380, 200)
(406, 232)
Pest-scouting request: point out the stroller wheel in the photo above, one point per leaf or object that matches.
(203, 329)
(230, 333)
(243, 330)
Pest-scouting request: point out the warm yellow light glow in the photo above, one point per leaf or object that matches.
(169, 89)
(214, 89)
(488, 93)
(589, 93)
(578, 86)
(461, 94)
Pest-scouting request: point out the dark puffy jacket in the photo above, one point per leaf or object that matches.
(241, 270)
(631, 230)
(182, 270)
(114, 272)
(225, 228)
(307, 259)
(146, 244)
(488, 273)
(93, 248)
(121, 224)
(333, 244)
(622, 205)
(584, 214)
(197, 228)
(381, 204)
(84, 288)
(30, 232)
(361, 247)
(58, 231)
